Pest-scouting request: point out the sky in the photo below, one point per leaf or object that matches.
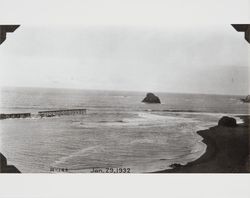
(167, 46)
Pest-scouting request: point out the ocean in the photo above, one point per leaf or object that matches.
(118, 130)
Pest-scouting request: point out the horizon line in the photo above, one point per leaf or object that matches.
(121, 90)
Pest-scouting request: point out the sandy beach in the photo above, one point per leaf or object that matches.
(227, 151)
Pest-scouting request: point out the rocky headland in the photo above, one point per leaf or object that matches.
(227, 149)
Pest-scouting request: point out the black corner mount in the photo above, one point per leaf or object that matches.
(4, 29)
(243, 28)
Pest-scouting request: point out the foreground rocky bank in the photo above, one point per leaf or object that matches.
(227, 151)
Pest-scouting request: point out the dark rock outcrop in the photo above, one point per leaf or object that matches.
(5, 168)
(151, 98)
(247, 99)
(175, 165)
(227, 122)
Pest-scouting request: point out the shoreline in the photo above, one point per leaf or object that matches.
(227, 151)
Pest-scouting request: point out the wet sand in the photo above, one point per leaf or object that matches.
(227, 151)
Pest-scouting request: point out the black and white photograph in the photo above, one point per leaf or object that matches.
(115, 87)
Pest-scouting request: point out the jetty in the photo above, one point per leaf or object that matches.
(42, 114)
(62, 112)
(14, 115)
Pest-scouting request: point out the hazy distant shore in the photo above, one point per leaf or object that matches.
(227, 151)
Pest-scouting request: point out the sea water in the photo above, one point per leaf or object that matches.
(118, 131)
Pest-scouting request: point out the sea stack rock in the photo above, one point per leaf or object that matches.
(151, 98)
(247, 99)
(227, 122)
